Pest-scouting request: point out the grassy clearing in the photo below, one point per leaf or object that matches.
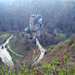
(3, 37)
(61, 34)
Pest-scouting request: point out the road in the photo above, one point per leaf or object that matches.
(42, 50)
(5, 56)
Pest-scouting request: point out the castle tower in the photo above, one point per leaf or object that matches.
(39, 18)
(31, 21)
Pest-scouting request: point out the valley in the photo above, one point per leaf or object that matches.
(37, 37)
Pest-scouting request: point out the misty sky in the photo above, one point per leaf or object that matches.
(8, 1)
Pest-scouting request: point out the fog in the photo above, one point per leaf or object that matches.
(15, 14)
(7, 1)
(33, 1)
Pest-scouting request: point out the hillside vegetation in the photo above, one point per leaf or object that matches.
(25, 47)
(56, 52)
(56, 14)
(59, 59)
(3, 37)
(58, 17)
(21, 44)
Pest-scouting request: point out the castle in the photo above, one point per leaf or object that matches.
(35, 27)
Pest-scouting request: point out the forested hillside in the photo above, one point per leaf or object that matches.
(59, 59)
(14, 15)
(58, 37)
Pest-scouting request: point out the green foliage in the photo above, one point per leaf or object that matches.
(74, 69)
(72, 46)
(43, 69)
(61, 34)
(53, 51)
(3, 37)
(55, 61)
(65, 57)
(4, 70)
(71, 41)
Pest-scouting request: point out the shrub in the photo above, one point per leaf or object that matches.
(44, 69)
(70, 42)
(72, 46)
